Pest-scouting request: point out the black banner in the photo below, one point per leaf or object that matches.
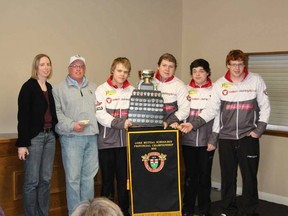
(154, 170)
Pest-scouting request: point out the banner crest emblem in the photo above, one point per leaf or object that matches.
(154, 161)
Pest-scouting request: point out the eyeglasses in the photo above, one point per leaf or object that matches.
(237, 65)
(77, 66)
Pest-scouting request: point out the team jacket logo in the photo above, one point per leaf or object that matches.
(110, 92)
(225, 92)
(154, 161)
(98, 103)
(98, 106)
(193, 91)
(108, 100)
(226, 85)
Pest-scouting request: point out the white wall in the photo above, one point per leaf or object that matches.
(100, 30)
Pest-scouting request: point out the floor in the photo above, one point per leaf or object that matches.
(265, 208)
(215, 194)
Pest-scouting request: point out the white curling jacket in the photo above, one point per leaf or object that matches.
(175, 97)
(112, 108)
(243, 106)
(199, 96)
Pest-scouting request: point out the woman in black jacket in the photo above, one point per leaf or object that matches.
(36, 136)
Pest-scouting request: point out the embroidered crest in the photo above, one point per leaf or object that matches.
(154, 161)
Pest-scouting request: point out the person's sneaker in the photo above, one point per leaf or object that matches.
(222, 214)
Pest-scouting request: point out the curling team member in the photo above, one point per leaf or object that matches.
(112, 107)
(198, 145)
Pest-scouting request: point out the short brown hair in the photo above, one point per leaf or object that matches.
(169, 57)
(121, 60)
(235, 55)
(35, 66)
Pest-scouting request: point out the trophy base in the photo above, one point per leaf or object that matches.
(146, 108)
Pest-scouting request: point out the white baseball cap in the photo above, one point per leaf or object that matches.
(76, 57)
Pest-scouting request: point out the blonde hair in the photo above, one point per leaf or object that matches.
(99, 206)
(35, 65)
(121, 60)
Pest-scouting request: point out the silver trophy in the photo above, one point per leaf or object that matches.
(146, 103)
(146, 77)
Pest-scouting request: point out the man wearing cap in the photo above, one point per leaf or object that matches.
(78, 130)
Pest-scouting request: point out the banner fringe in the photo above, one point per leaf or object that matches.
(128, 184)
(159, 214)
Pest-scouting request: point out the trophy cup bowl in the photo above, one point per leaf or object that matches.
(146, 75)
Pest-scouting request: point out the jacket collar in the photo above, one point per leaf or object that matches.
(158, 77)
(228, 75)
(206, 85)
(73, 82)
(125, 84)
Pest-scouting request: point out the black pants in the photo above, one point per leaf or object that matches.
(198, 163)
(113, 163)
(245, 153)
